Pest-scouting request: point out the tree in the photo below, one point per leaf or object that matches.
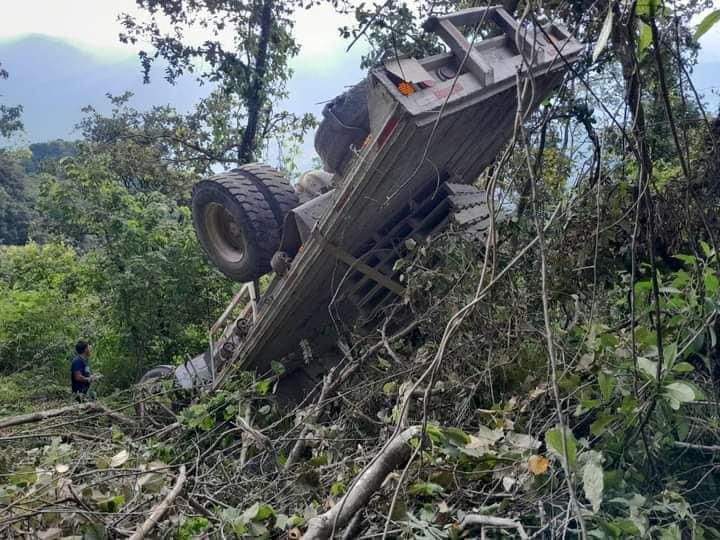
(15, 207)
(45, 305)
(45, 154)
(9, 116)
(146, 151)
(158, 292)
(247, 62)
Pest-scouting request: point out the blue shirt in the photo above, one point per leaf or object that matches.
(79, 364)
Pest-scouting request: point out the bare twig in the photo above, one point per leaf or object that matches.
(478, 520)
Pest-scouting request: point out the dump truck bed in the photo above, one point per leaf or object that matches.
(447, 132)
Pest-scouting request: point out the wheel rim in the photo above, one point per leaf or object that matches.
(225, 234)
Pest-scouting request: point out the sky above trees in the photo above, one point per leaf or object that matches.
(93, 26)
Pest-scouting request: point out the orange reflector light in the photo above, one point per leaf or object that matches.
(406, 89)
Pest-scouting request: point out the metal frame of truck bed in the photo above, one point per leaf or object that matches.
(446, 131)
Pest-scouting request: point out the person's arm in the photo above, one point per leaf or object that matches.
(79, 377)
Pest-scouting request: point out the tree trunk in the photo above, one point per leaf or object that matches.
(246, 150)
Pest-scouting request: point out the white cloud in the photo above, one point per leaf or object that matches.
(91, 24)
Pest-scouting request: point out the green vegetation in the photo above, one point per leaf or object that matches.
(560, 382)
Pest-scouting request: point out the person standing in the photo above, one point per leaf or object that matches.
(80, 376)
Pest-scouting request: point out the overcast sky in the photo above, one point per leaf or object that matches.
(93, 25)
(322, 69)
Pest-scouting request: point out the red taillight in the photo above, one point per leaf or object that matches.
(390, 126)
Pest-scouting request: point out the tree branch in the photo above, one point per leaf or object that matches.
(161, 508)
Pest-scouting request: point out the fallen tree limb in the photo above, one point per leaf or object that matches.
(395, 454)
(118, 417)
(43, 415)
(479, 520)
(52, 413)
(161, 508)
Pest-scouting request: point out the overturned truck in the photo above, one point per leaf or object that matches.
(400, 153)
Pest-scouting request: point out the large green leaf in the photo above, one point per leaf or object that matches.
(645, 38)
(428, 489)
(554, 440)
(258, 512)
(648, 367)
(607, 384)
(679, 392)
(707, 23)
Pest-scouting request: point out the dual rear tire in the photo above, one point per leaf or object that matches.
(238, 217)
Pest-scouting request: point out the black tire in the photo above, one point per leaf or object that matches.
(345, 124)
(235, 224)
(274, 186)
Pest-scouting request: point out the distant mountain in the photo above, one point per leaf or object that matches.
(53, 80)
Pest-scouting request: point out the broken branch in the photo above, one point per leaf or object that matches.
(161, 508)
(395, 454)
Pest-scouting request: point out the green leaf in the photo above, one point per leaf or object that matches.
(607, 384)
(24, 477)
(277, 367)
(429, 489)
(112, 504)
(604, 35)
(711, 282)
(670, 352)
(648, 367)
(645, 38)
(687, 259)
(390, 388)
(457, 436)
(262, 387)
(599, 425)
(296, 521)
(435, 433)
(679, 392)
(337, 489)
(647, 7)
(671, 532)
(707, 23)
(593, 482)
(707, 250)
(554, 440)
(319, 460)
(258, 512)
(683, 367)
